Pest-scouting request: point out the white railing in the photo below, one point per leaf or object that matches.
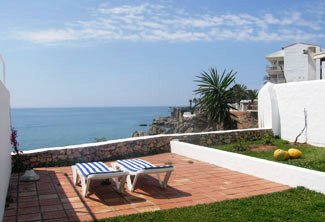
(3, 70)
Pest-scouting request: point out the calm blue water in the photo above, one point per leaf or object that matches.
(51, 127)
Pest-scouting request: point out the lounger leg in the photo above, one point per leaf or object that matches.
(84, 185)
(120, 184)
(129, 182)
(134, 182)
(163, 184)
(159, 180)
(87, 187)
(167, 176)
(75, 175)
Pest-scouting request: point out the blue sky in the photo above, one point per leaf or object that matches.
(81, 53)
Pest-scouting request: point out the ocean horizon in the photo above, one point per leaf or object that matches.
(54, 127)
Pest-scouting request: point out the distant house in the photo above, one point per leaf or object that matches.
(188, 115)
(245, 105)
(296, 62)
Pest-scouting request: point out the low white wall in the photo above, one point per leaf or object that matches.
(273, 171)
(5, 147)
(281, 107)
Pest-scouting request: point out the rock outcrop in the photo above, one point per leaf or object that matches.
(176, 123)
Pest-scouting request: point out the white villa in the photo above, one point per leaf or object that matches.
(296, 62)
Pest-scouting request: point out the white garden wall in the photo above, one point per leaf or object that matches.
(281, 107)
(277, 172)
(5, 156)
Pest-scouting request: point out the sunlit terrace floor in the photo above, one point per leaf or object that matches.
(54, 198)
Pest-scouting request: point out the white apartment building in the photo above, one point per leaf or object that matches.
(296, 62)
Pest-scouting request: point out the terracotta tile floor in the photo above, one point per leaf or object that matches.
(54, 198)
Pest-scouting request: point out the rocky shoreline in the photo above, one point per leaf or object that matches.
(177, 123)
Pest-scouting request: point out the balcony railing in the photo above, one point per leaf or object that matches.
(278, 80)
(273, 68)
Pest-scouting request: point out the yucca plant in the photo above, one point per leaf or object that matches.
(215, 97)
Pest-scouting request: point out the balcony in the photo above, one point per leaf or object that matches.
(278, 79)
(274, 69)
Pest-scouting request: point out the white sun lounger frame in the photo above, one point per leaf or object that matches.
(118, 177)
(131, 184)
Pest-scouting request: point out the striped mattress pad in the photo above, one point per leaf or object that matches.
(134, 165)
(94, 168)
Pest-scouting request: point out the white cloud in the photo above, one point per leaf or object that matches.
(50, 36)
(148, 22)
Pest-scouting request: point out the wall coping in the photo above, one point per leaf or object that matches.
(131, 139)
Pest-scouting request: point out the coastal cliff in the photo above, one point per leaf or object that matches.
(177, 123)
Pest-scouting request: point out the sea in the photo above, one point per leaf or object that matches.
(54, 127)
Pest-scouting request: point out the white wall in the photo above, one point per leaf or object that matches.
(5, 147)
(268, 111)
(299, 66)
(269, 170)
(283, 105)
(295, 63)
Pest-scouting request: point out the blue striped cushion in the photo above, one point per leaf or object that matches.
(138, 164)
(94, 168)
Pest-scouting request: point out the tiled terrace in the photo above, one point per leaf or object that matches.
(54, 198)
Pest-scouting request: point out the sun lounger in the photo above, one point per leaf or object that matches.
(88, 172)
(138, 167)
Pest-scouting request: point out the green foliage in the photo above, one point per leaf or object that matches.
(18, 165)
(252, 95)
(298, 204)
(215, 96)
(240, 146)
(312, 158)
(239, 93)
(267, 139)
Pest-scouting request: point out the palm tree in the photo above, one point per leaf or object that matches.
(190, 101)
(239, 93)
(215, 96)
(252, 95)
(195, 101)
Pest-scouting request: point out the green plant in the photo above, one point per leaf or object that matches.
(312, 158)
(267, 139)
(239, 93)
(241, 146)
(215, 97)
(18, 165)
(252, 95)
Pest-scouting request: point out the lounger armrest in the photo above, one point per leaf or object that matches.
(155, 170)
(107, 175)
(159, 167)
